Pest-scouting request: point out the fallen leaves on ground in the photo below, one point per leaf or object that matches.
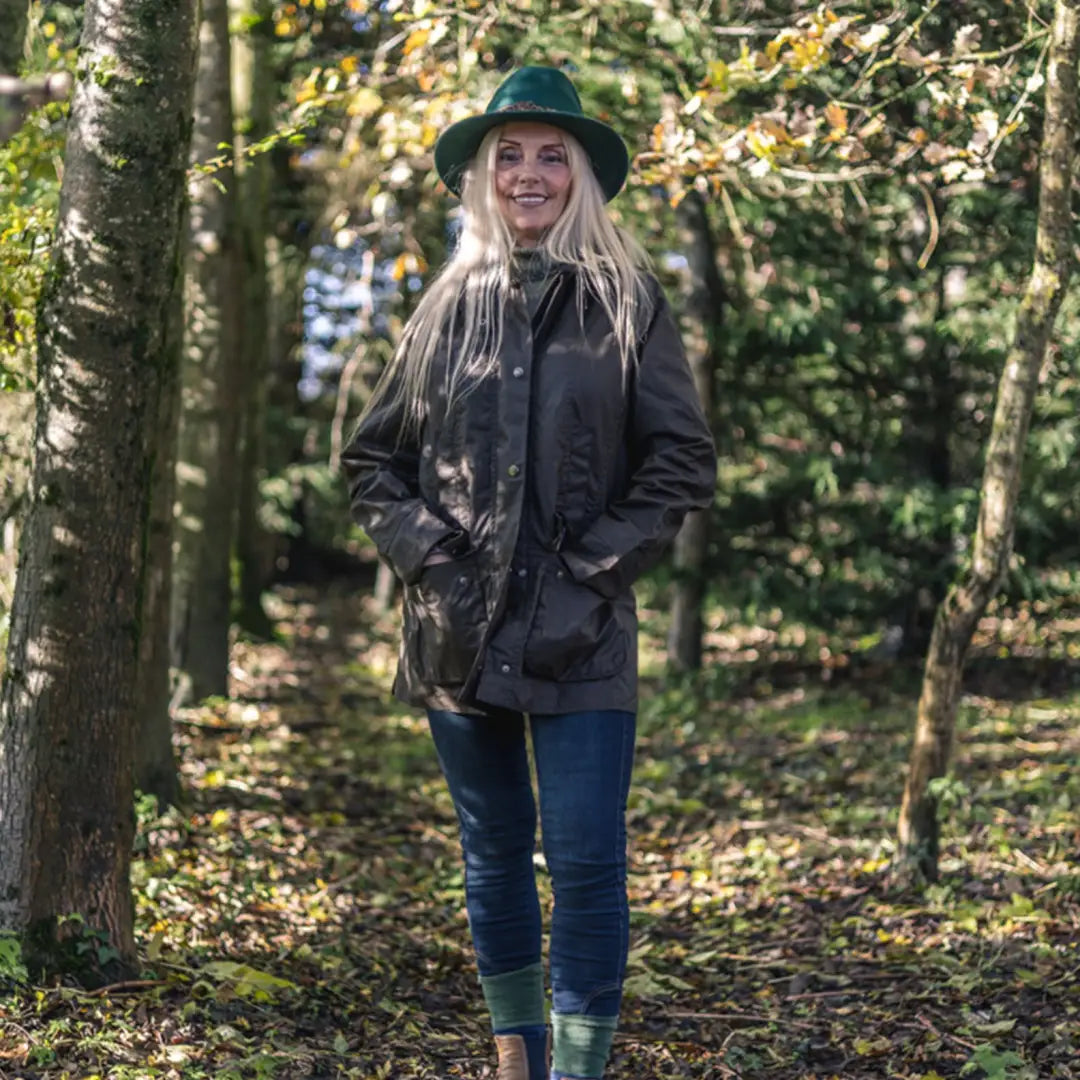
(302, 915)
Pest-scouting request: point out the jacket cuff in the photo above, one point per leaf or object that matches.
(605, 581)
(415, 541)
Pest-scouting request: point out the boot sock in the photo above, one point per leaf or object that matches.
(515, 1001)
(581, 1046)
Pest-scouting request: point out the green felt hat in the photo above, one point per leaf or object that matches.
(544, 95)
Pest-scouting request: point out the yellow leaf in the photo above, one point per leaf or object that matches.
(837, 117)
(871, 127)
(365, 102)
(868, 1047)
(219, 819)
(416, 40)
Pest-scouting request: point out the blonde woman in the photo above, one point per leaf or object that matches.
(531, 450)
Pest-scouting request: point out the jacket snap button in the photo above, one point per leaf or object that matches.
(428, 450)
(463, 579)
(505, 669)
(513, 470)
(519, 372)
(560, 574)
(522, 572)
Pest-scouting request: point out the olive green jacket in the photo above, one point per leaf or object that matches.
(554, 487)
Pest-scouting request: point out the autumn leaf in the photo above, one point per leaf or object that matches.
(416, 40)
(836, 115)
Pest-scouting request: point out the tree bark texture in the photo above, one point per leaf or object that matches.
(966, 601)
(703, 306)
(67, 709)
(13, 15)
(385, 587)
(252, 95)
(211, 385)
(155, 760)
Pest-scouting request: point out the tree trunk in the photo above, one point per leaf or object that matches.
(385, 586)
(252, 95)
(67, 717)
(12, 34)
(155, 761)
(957, 617)
(207, 463)
(703, 306)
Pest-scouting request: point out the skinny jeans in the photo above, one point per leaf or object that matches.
(583, 766)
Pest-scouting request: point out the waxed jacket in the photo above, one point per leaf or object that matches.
(554, 486)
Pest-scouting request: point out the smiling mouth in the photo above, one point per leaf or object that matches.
(530, 200)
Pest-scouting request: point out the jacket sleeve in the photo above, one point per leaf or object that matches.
(675, 471)
(382, 470)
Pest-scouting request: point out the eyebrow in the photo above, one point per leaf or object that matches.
(546, 146)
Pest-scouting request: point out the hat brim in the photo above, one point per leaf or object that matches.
(458, 144)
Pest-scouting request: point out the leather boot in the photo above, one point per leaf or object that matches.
(513, 1061)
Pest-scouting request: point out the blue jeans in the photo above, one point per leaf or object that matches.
(583, 764)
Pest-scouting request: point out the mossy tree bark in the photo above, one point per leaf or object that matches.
(252, 98)
(211, 384)
(67, 708)
(703, 305)
(155, 760)
(966, 601)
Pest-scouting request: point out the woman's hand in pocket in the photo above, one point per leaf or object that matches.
(435, 557)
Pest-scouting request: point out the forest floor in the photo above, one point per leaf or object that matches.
(302, 915)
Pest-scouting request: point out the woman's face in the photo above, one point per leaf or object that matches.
(532, 178)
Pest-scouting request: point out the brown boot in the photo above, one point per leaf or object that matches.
(513, 1061)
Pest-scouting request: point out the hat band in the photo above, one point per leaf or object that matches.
(523, 106)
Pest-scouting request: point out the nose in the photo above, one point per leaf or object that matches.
(527, 172)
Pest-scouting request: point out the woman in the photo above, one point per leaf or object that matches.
(531, 450)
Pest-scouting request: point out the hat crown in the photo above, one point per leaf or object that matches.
(539, 89)
(544, 95)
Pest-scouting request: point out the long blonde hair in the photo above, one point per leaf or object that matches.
(474, 285)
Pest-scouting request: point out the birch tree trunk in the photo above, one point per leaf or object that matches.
(207, 463)
(67, 717)
(703, 306)
(966, 601)
(252, 97)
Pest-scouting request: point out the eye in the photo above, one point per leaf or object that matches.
(508, 155)
(553, 157)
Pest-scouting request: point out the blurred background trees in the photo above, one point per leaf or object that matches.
(841, 203)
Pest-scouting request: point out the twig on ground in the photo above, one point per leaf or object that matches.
(124, 987)
(929, 1025)
(754, 1017)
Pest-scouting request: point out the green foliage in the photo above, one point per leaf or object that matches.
(29, 194)
(997, 1065)
(89, 946)
(12, 968)
(856, 363)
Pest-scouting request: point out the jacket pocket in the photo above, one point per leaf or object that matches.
(448, 607)
(576, 503)
(575, 635)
